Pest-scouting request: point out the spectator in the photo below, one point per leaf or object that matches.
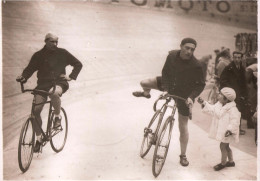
(224, 60)
(252, 94)
(204, 63)
(233, 76)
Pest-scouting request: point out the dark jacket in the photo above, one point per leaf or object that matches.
(182, 77)
(235, 79)
(50, 65)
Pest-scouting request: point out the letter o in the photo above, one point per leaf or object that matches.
(223, 10)
(142, 3)
(186, 8)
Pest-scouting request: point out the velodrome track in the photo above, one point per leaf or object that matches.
(118, 46)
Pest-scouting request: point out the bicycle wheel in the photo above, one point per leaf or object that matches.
(59, 135)
(26, 145)
(162, 146)
(149, 135)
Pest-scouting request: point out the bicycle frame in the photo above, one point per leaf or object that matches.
(46, 136)
(162, 110)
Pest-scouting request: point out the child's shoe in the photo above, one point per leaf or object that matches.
(230, 164)
(219, 167)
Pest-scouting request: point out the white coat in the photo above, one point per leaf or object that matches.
(225, 118)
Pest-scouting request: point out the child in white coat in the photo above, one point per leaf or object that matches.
(225, 124)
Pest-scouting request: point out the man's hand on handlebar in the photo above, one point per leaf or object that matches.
(67, 78)
(21, 79)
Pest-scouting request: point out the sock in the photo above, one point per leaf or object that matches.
(39, 138)
(57, 116)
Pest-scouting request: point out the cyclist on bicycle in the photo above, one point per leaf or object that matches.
(182, 75)
(50, 63)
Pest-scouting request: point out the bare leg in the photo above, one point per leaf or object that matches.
(229, 154)
(55, 100)
(224, 153)
(37, 113)
(184, 133)
(149, 84)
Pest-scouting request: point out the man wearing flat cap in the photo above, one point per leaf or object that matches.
(182, 75)
(234, 76)
(50, 63)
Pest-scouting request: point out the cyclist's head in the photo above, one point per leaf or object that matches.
(188, 46)
(51, 41)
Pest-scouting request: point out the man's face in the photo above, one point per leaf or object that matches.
(237, 58)
(51, 43)
(187, 50)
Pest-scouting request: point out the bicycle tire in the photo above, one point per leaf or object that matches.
(59, 135)
(146, 138)
(168, 124)
(27, 138)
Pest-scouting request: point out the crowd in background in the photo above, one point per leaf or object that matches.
(246, 81)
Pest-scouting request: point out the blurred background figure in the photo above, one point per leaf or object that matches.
(204, 63)
(251, 81)
(223, 61)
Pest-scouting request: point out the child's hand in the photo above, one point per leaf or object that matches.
(200, 100)
(228, 133)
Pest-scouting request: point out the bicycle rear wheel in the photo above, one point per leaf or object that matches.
(149, 134)
(162, 146)
(26, 145)
(59, 135)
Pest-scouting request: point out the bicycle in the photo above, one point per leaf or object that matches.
(152, 136)
(57, 136)
(213, 93)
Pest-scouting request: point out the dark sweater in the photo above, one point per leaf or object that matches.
(182, 77)
(51, 64)
(235, 79)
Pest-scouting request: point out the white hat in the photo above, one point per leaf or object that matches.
(229, 93)
(50, 35)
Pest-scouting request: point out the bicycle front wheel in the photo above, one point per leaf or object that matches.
(59, 135)
(162, 146)
(149, 135)
(26, 145)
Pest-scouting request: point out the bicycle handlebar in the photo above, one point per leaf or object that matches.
(37, 90)
(174, 97)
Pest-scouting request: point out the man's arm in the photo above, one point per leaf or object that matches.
(31, 67)
(77, 66)
(199, 84)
